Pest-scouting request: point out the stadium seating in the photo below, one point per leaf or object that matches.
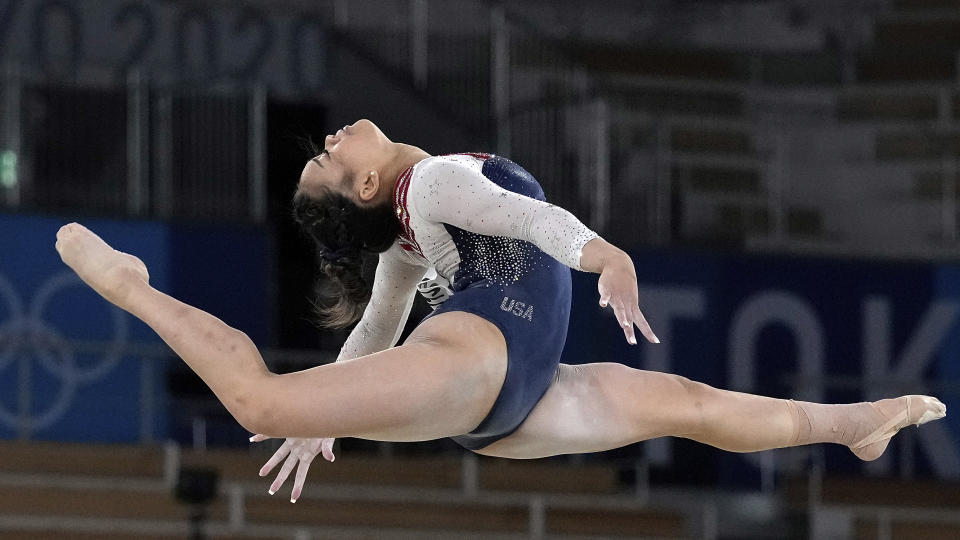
(883, 508)
(74, 491)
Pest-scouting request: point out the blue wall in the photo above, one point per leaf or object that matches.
(83, 395)
(815, 329)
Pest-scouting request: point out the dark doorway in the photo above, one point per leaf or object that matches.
(287, 125)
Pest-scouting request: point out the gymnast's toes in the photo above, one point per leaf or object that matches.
(925, 409)
(105, 269)
(894, 415)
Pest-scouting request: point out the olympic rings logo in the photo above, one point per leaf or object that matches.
(27, 334)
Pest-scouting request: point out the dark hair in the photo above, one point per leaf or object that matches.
(342, 232)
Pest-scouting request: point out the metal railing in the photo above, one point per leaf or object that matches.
(744, 162)
(610, 148)
(785, 174)
(140, 150)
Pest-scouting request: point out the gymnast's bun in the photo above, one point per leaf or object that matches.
(342, 232)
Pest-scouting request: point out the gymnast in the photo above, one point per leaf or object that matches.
(473, 233)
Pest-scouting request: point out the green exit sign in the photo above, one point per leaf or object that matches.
(8, 168)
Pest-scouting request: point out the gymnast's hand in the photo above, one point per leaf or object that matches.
(618, 289)
(298, 452)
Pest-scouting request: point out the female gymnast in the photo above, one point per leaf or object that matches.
(484, 367)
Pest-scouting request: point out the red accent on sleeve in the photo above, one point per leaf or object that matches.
(408, 240)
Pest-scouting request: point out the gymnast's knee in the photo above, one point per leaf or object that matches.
(256, 417)
(253, 406)
(695, 406)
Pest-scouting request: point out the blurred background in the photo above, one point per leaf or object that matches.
(784, 174)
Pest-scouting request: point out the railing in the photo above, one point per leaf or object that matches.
(468, 488)
(859, 518)
(794, 166)
(615, 150)
(141, 150)
(495, 75)
(618, 164)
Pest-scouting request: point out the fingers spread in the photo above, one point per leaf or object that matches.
(326, 448)
(275, 459)
(285, 471)
(618, 313)
(625, 322)
(299, 480)
(628, 334)
(644, 327)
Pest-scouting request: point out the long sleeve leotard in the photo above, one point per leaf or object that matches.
(452, 216)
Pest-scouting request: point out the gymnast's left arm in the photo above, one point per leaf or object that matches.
(450, 192)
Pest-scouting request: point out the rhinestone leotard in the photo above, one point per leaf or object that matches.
(482, 223)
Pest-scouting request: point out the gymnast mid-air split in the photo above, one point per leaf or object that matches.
(483, 368)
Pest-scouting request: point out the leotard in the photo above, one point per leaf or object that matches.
(495, 248)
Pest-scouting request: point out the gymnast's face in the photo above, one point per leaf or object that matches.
(350, 163)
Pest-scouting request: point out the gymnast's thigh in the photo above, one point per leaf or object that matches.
(440, 383)
(596, 407)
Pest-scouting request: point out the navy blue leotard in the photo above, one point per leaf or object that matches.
(532, 312)
(479, 227)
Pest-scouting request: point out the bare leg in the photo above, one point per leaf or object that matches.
(597, 407)
(123, 280)
(434, 387)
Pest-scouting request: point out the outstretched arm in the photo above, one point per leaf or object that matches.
(449, 191)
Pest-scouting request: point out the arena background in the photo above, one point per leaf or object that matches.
(784, 174)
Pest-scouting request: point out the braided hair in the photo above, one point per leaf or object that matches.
(342, 232)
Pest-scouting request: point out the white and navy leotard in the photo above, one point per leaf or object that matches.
(495, 248)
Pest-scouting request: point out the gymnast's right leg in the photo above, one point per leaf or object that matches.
(432, 387)
(594, 407)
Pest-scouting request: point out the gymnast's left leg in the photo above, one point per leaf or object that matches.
(441, 383)
(595, 407)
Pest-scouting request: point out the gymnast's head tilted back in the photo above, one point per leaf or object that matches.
(342, 207)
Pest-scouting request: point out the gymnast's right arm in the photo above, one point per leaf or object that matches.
(446, 190)
(394, 288)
